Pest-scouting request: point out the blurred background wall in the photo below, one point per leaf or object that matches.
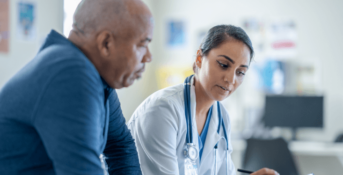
(318, 28)
(48, 15)
(310, 68)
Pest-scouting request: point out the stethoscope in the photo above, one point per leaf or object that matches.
(191, 151)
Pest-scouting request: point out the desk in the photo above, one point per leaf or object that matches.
(317, 157)
(316, 148)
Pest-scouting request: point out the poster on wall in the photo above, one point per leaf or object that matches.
(26, 24)
(4, 26)
(271, 76)
(176, 36)
(172, 75)
(273, 38)
(255, 28)
(282, 38)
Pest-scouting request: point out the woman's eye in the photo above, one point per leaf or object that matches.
(223, 65)
(241, 73)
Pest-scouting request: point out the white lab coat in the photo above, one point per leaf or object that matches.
(159, 128)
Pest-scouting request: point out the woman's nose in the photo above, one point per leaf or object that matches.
(230, 78)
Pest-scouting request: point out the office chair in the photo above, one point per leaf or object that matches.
(272, 154)
(339, 138)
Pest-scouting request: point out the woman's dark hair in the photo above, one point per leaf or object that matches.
(221, 33)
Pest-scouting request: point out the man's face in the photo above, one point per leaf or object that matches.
(130, 55)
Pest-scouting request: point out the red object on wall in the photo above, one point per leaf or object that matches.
(4, 26)
(283, 44)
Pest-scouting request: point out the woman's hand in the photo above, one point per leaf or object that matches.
(265, 171)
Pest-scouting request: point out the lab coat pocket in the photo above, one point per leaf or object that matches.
(218, 157)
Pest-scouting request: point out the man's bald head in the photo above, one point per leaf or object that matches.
(118, 16)
(114, 35)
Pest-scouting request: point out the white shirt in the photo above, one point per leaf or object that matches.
(159, 128)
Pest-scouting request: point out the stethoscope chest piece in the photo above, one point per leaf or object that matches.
(191, 152)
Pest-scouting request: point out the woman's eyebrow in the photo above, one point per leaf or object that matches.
(233, 62)
(228, 58)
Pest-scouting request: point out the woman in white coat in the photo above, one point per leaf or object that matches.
(184, 129)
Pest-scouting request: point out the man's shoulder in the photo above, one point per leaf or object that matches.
(65, 60)
(63, 55)
(56, 67)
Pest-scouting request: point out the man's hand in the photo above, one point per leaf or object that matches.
(265, 171)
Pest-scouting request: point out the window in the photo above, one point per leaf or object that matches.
(69, 9)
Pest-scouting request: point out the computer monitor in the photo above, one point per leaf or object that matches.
(293, 111)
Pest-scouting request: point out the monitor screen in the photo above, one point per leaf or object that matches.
(293, 111)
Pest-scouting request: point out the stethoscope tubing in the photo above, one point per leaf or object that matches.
(188, 114)
(189, 136)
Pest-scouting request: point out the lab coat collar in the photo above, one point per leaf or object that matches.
(212, 137)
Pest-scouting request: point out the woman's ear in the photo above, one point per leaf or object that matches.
(198, 59)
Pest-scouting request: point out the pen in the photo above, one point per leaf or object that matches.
(244, 171)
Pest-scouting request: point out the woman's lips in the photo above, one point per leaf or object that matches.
(227, 89)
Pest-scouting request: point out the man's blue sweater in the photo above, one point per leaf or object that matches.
(57, 116)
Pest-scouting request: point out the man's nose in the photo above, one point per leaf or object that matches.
(147, 57)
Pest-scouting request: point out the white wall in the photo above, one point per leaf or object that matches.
(319, 27)
(49, 16)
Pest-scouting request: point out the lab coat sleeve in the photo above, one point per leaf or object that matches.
(120, 152)
(156, 138)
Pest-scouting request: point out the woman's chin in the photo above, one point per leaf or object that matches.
(220, 97)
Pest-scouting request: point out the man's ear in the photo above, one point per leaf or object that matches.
(105, 41)
(198, 59)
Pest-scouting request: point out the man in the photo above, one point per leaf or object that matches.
(59, 113)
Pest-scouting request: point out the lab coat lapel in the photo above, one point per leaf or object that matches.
(212, 139)
(193, 112)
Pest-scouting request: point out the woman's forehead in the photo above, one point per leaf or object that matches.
(234, 49)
